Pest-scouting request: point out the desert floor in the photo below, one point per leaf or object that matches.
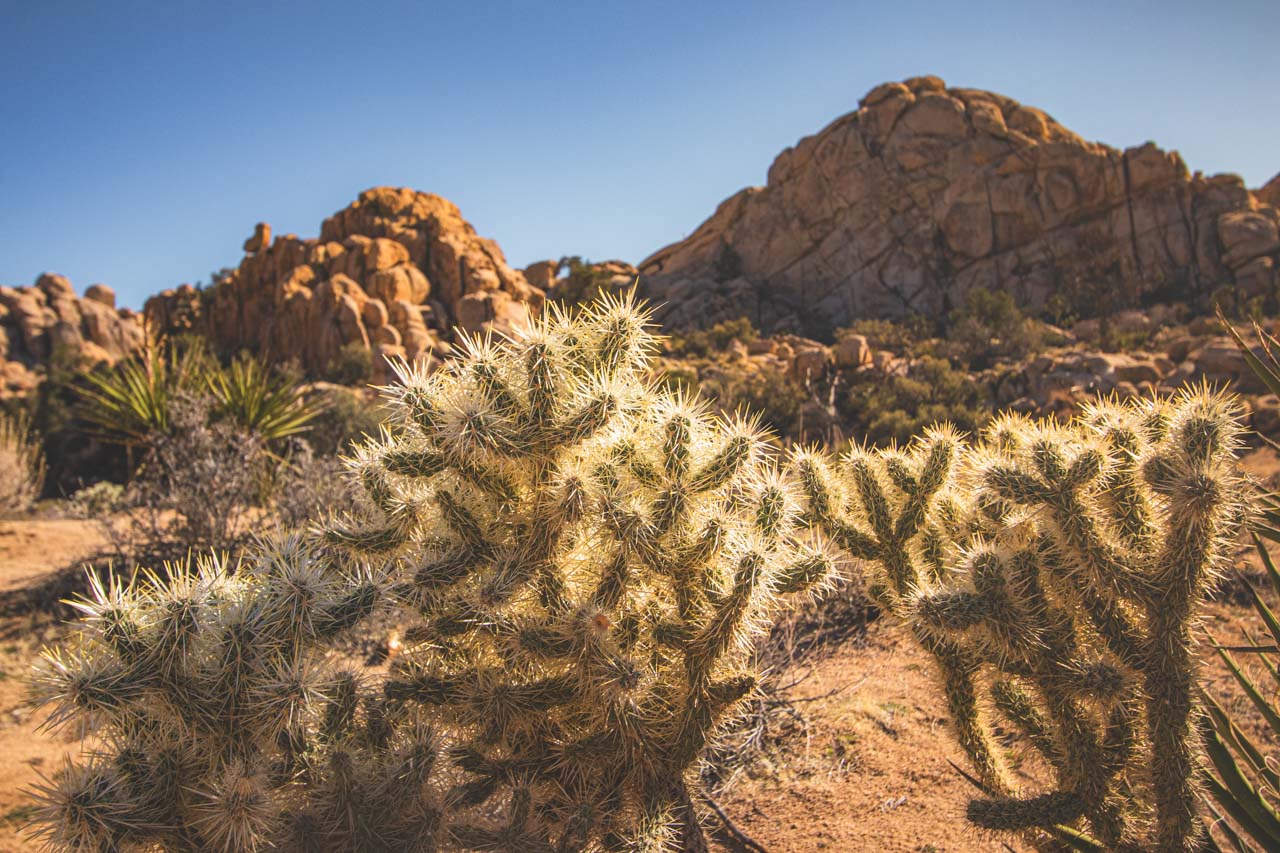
(862, 765)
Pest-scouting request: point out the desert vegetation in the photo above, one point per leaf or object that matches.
(577, 570)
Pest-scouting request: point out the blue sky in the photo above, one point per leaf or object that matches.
(139, 143)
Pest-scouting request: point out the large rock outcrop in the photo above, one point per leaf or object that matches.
(36, 322)
(926, 192)
(395, 272)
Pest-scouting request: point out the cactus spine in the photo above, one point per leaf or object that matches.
(1055, 574)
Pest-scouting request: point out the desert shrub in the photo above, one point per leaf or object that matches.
(351, 365)
(21, 464)
(268, 403)
(198, 487)
(710, 342)
(307, 486)
(128, 404)
(131, 404)
(766, 392)
(74, 456)
(347, 416)
(989, 327)
(583, 284)
(581, 564)
(895, 335)
(1056, 574)
(881, 409)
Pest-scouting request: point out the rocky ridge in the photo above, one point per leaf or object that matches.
(926, 192)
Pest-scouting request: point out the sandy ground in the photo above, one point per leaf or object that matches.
(867, 769)
(30, 553)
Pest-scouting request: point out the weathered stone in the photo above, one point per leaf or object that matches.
(260, 239)
(851, 351)
(101, 294)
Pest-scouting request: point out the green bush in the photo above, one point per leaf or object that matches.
(352, 365)
(584, 283)
(713, 341)
(881, 410)
(767, 393)
(989, 327)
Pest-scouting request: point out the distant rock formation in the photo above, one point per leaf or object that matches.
(1269, 193)
(926, 192)
(394, 272)
(35, 322)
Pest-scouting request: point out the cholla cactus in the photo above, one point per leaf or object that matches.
(583, 562)
(580, 563)
(1055, 573)
(203, 695)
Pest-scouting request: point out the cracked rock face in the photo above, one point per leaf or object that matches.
(926, 192)
(393, 272)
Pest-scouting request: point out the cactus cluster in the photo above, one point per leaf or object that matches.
(578, 561)
(201, 692)
(1055, 573)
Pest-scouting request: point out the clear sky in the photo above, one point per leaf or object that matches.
(139, 143)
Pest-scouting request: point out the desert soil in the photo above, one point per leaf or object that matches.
(864, 766)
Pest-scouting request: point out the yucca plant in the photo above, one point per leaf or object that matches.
(1056, 573)
(1244, 780)
(21, 463)
(129, 402)
(268, 403)
(579, 563)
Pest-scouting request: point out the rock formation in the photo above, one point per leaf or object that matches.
(926, 192)
(1269, 193)
(394, 272)
(36, 322)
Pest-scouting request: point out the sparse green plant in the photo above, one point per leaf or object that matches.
(713, 341)
(1244, 780)
(1055, 572)
(129, 403)
(21, 463)
(582, 563)
(766, 392)
(584, 283)
(990, 326)
(891, 409)
(351, 365)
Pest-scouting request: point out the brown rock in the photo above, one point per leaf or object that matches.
(374, 314)
(851, 352)
(101, 294)
(400, 282)
(260, 240)
(303, 299)
(542, 274)
(490, 311)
